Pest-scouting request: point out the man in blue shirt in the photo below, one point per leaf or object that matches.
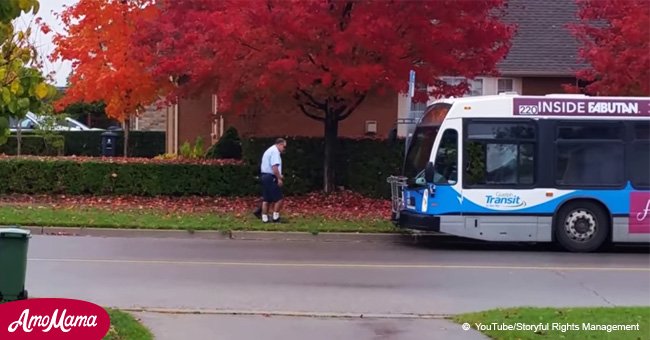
(272, 180)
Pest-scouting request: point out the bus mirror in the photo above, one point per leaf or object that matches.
(429, 173)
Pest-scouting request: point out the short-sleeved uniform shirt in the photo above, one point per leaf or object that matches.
(270, 158)
(271, 192)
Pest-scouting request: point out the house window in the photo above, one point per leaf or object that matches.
(419, 106)
(475, 85)
(505, 85)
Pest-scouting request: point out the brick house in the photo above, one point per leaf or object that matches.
(543, 57)
(152, 119)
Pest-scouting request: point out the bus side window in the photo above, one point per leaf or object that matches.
(639, 162)
(500, 154)
(590, 154)
(446, 162)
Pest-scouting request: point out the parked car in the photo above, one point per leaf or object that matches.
(33, 121)
(73, 124)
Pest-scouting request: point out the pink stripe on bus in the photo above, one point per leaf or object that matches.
(639, 220)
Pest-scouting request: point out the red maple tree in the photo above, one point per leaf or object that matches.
(106, 67)
(327, 55)
(615, 38)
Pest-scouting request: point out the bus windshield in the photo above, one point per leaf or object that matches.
(419, 150)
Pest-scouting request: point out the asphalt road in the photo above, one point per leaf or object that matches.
(277, 288)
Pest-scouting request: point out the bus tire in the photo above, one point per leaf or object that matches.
(581, 226)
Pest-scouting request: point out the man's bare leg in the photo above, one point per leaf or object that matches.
(277, 207)
(265, 211)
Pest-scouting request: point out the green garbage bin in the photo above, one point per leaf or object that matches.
(13, 263)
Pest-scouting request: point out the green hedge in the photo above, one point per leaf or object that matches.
(146, 144)
(30, 176)
(365, 165)
(362, 165)
(32, 145)
(228, 146)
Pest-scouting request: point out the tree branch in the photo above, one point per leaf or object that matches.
(354, 106)
(309, 114)
(346, 15)
(313, 61)
(314, 106)
(409, 55)
(311, 98)
(241, 41)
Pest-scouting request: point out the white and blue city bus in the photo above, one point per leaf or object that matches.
(569, 169)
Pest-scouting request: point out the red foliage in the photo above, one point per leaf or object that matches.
(320, 50)
(341, 205)
(45, 28)
(106, 67)
(327, 55)
(615, 35)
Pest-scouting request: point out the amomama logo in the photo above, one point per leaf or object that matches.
(51, 318)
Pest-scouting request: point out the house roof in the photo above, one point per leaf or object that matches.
(542, 44)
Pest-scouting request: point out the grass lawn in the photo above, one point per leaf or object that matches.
(28, 215)
(126, 327)
(576, 322)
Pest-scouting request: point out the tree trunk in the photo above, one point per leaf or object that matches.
(331, 141)
(19, 138)
(335, 109)
(127, 127)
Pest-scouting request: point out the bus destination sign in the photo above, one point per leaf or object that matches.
(581, 107)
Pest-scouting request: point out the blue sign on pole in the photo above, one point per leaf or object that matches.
(411, 83)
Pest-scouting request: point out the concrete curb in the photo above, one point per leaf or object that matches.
(321, 237)
(336, 315)
(112, 232)
(224, 235)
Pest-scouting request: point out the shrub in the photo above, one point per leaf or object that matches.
(228, 147)
(37, 145)
(32, 175)
(89, 143)
(189, 151)
(302, 163)
(362, 164)
(366, 163)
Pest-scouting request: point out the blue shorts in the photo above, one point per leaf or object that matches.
(271, 191)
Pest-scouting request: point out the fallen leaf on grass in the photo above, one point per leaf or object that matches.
(342, 205)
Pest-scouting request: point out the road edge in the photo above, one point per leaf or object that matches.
(224, 235)
(332, 315)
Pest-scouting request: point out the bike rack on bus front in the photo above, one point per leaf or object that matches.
(397, 184)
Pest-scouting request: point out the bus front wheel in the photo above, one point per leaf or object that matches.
(581, 226)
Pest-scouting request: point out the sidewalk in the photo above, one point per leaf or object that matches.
(251, 327)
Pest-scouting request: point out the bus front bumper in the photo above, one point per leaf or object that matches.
(410, 220)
